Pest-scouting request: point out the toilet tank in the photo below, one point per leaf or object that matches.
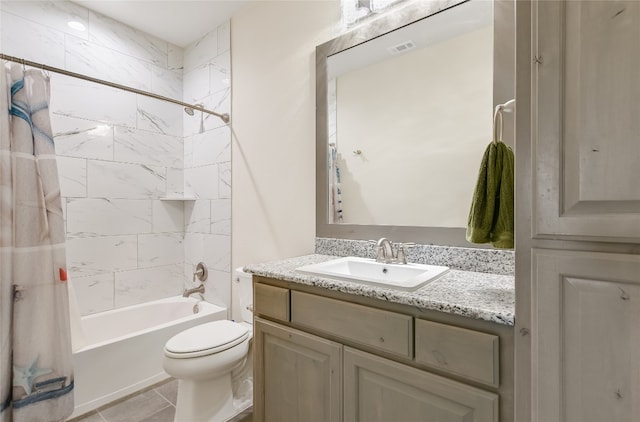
(245, 290)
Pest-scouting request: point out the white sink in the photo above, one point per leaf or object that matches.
(368, 271)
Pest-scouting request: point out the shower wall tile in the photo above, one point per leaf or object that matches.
(221, 216)
(159, 249)
(197, 216)
(101, 254)
(224, 37)
(220, 102)
(217, 288)
(116, 36)
(90, 101)
(168, 216)
(202, 182)
(51, 14)
(100, 62)
(72, 173)
(217, 251)
(126, 181)
(28, 40)
(107, 217)
(124, 151)
(201, 51)
(225, 180)
(175, 57)
(212, 249)
(211, 147)
(175, 183)
(144, 285)
(159, 116)
(143, 147)
(94, 293)
(220, 72)
(166, 82)
(82, 138)
(193, 248)
(196, 85)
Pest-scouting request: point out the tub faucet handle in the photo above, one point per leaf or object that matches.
(201, 272)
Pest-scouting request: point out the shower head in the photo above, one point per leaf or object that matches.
(189, 111)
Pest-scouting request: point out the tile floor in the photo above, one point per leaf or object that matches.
(155, 404)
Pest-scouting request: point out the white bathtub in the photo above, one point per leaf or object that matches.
(125, 348)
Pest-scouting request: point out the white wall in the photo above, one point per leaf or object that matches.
(273, 118)
(273, 140)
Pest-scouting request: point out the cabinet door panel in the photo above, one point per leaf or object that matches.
(587, 132)
(298, 376)
(380, 390)
(587, 336)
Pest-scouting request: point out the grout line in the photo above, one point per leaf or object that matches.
(166, 399)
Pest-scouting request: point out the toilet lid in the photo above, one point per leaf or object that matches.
(206, 339)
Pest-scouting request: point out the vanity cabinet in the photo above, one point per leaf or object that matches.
(381, 390)
(321, 358)
(299, 375)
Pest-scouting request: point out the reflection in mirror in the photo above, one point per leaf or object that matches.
(409, 117)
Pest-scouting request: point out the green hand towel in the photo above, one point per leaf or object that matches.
(491, 215)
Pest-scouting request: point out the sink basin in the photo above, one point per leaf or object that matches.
(367, 271)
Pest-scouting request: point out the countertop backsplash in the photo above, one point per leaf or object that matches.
(493, 261)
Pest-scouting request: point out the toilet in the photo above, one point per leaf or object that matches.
(208, 359)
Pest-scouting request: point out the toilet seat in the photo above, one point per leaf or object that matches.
(206, 339)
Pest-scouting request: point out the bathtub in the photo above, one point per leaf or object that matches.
(125, 348)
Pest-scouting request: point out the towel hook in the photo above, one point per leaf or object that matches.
(498, 129)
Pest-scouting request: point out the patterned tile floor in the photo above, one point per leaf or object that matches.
(155, 404)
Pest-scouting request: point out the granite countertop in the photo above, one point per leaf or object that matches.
(484, 296)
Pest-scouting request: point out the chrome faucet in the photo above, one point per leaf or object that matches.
(386, 255)
(189, 292)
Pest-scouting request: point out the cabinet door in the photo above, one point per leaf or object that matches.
(298, 376)
(380, 390)
(586, 337)
(586, 125)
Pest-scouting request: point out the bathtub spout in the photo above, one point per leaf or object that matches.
(189, 292)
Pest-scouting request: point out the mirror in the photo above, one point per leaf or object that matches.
(404, 114)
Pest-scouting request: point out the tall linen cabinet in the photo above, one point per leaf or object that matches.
(578, 207)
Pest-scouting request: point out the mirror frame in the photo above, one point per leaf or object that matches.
(398, 18)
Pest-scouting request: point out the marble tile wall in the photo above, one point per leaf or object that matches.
(120, 154)
(207, 162)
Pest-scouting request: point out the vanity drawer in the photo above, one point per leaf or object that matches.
(467, 353)
(271, 301)
(384, 330)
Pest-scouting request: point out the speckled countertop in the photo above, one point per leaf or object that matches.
(489, 297)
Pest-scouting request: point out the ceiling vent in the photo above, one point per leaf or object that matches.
(402, 48)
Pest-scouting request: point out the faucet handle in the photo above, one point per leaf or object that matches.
(401, 256)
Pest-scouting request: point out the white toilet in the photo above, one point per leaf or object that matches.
(203, 358)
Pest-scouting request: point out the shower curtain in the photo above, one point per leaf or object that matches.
(36, 379)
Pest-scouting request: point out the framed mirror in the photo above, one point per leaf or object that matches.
(404, 113)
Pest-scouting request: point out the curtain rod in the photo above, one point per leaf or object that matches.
(224, 117)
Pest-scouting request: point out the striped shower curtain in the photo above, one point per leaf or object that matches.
(36, 379)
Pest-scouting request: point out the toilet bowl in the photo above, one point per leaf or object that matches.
(206, 361)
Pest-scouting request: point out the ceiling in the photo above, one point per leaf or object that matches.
(180, 22)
